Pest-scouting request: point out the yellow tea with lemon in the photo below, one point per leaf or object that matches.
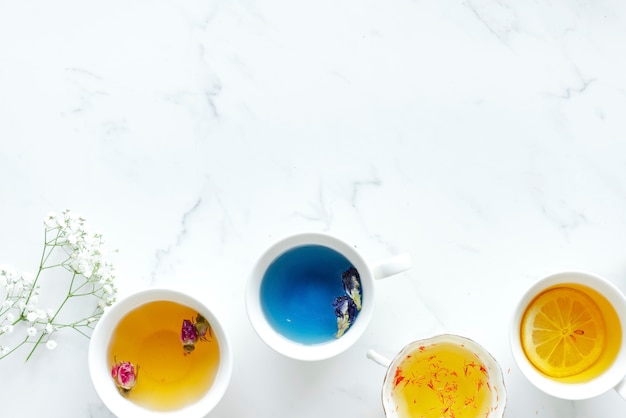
(163, 355)
(570, 333)
(442, 380)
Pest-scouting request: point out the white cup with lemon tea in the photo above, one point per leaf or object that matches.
(443, 376)
(567, 335)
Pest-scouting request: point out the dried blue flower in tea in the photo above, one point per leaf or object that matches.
(346, 307)
(345, 310)
(352, 285)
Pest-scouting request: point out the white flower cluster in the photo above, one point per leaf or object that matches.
(69, 245)
(87, 255)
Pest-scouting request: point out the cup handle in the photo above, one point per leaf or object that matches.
(378, 358)
(391, 266)
(621, 388)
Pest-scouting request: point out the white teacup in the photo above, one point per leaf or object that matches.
(493, 387)
(300, 261)
(611, 366)
(122, 405)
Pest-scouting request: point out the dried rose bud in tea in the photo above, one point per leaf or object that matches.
(188, 336)
(125, 375)
(202, 327)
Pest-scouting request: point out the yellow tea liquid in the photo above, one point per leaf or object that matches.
(613, 335)
(167, 378)
(442, 380)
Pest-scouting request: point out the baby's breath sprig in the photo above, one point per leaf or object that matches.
(85, 275)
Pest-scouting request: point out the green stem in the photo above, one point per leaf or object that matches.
(80, 332)
(42, 261)
(85, 283)
(52, 266)
(14, 348)
(51, 319)
(60, 307)
(34, 347)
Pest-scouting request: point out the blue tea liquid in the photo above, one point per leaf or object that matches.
(298, 290)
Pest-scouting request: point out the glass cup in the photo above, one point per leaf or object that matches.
(447, 375)
(197, 326)
(609, 370)
(297, 299)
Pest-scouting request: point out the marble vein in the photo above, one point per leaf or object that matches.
(492, 24)
(359, 185)
(161, 255)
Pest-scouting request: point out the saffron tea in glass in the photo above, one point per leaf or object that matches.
(161, 353)
(447, 376)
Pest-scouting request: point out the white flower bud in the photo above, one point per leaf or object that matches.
(51, 345)
(31, 317)
(28, 278)
(31, 331)
(51, 220)
(8, 272)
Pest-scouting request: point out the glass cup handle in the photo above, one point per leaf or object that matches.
(621, 388)
(391, 266)
(378, 358)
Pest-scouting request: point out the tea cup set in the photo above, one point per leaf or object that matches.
(287, 299)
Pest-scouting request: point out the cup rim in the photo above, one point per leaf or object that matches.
(565, 390)
(98, 347)
(280, 343)
(489, 361)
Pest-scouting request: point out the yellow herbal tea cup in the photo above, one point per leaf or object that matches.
(160, 353)
(445, 376)
(567, 335)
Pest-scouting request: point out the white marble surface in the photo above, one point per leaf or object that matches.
(486, 138)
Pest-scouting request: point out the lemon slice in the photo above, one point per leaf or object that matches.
(563, 332)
